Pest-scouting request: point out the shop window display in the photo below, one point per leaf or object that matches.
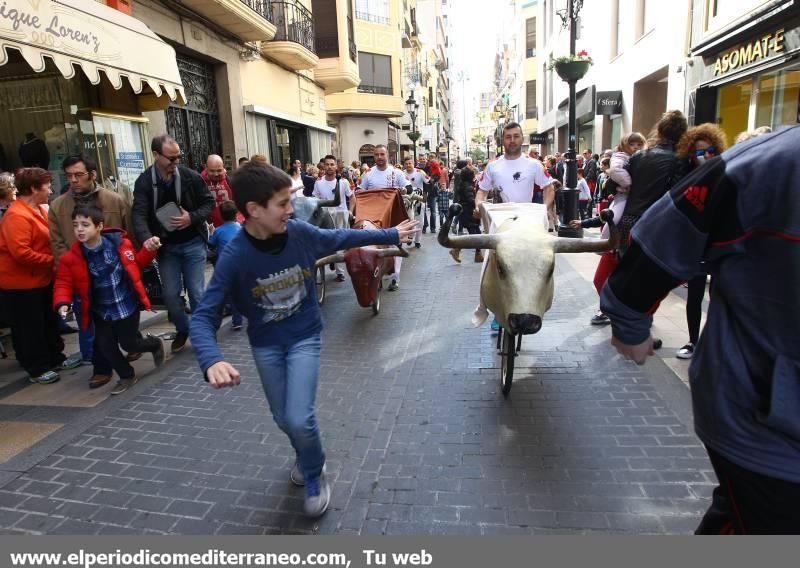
(779, 98)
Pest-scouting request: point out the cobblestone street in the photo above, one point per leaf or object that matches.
(419, 438)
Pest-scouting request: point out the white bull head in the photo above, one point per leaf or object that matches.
(517, 285)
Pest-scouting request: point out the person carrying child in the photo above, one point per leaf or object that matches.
(103, 270)
(267, 271)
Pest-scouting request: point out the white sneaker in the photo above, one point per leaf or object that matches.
(297, 477)
(318, 496)
(686, 351)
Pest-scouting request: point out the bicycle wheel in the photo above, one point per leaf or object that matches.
(507, 354)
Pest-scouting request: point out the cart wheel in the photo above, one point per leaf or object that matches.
(320, 283)
(376, 305)
(507, 362)
(519, 343)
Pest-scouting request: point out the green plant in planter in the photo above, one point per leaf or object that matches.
(571, 67)
(414, 135)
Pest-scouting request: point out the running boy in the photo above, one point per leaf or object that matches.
(103, 269)
(267, 270)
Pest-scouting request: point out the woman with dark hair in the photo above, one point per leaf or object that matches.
(26, 278)
(700, 143)
(464, 195)
(295, 172)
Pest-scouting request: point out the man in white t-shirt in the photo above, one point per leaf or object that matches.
(324, 188)
(418, 180)
(514, 176)
(383, 175)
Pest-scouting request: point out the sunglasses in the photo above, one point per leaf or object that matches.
(172, 159)
(703, 152)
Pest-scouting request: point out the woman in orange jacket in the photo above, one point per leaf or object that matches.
(26, 278)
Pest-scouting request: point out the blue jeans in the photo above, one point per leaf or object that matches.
(289, 376)
(85, 338)
(182, 265)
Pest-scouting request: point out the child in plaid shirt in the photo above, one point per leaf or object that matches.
(443, 203)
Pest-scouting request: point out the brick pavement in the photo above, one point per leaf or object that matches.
(419, 439)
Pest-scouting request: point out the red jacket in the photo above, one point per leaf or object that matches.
(72, 276)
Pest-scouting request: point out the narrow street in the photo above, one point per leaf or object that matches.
(418, 437)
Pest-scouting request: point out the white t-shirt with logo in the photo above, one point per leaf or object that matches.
(515, 178)
(390, 178)
(323, 189)
(417, 178)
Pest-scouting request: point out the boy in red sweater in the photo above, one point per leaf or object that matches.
(103, 269)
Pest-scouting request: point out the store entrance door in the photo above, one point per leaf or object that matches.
(195, 127)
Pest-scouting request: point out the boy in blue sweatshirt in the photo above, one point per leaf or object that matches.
(267, 271)
(220, 238)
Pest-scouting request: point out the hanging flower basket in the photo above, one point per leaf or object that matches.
(571, 67)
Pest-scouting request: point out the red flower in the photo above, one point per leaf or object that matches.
(583, 53)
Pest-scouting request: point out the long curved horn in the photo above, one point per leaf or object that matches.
(332, 259)
(389, 252)
(566, 245)
(463, 241)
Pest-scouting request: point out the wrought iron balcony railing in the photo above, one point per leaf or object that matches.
(262, 7)
(375, 89)
(294, 23)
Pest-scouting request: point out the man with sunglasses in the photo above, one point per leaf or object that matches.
(172, 202)
(84, 191)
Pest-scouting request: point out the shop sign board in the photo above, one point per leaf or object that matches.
(760, 49)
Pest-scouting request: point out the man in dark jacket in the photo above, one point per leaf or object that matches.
(745, 372)
(183, 234)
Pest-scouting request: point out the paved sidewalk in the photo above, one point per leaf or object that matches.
(418, 436)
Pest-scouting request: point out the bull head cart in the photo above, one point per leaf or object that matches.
(517, 276)
(374, 209)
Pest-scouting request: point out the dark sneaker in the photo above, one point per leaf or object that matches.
(657, 344)
(159, 355)
(686, 351)
(124, 384)
(599, 319)
(71, 362)
(45, 378)
(179, 342)
(394, 286)
(98, 381)
(418, 245)
(332, 266)
(318, 497)
(131, 357)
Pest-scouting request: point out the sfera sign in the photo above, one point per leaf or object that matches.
(757, 50)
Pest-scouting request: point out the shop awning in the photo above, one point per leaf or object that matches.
(94, 37)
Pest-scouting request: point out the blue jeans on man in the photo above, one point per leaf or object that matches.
(289, 376)
(182, 265)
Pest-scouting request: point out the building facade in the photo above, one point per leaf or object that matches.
(744, 70)
(639, 52)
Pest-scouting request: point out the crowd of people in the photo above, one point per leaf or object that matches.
(683, 207)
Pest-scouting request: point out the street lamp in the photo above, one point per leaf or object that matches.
(571, 193)
(411, 108)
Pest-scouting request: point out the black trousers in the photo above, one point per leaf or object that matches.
(694, 306)
(34, 329)
(431, 201)
(108, 337)
(750, 503)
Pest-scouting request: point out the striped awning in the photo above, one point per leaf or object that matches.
(93, 37)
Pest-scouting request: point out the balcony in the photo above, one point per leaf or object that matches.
(532, 113)
(250, 20)
(338, 57)
(406, 37)
(293, 44)
(375, 90)
(373, 18)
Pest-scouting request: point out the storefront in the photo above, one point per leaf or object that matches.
(75, 77)
(283, 139)
(752, 81)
